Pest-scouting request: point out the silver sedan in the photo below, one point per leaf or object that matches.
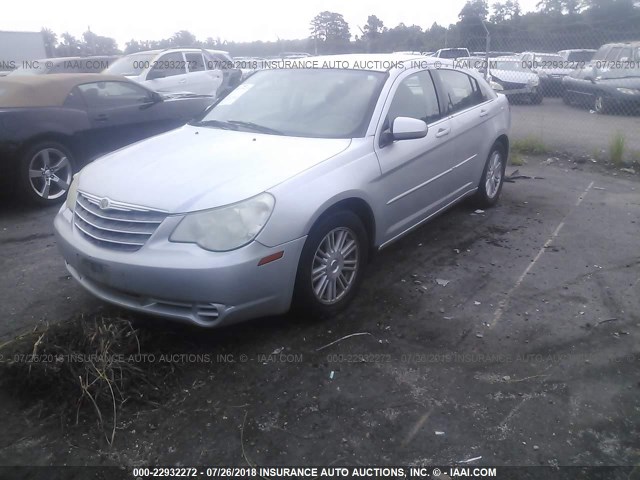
(278, 194)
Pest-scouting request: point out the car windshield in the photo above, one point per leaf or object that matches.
(131, 65)
(580, 56)
(323, 103)
(549, 59)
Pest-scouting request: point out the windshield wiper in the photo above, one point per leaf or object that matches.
(215, 124)
(255, 127)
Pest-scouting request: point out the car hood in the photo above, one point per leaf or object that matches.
(556, 71)
(195, 168)
(623, 82)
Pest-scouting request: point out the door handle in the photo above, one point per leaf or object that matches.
(484, 113)
(103, 117)
(442, 132)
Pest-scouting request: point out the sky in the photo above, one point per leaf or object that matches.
(244, 20)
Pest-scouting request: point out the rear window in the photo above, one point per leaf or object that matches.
(580, 56)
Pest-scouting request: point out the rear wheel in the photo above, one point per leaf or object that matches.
(331, 265)
(492, 178)
(536, 98)
(46, 170)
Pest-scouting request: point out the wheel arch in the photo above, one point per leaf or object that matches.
(357, 205)
(65, 140)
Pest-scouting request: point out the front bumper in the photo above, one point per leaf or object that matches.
(182, 281)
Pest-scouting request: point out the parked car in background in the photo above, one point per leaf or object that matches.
(452, 53)
(617, 55)
(550, 67)
(507, 76)
(172, 70)
(294, 55)
(231, 73)
(54, 124)
(47, 66)
(493, 54)
(250, 65)
(577, 58)
(286, 187)
(609, 90)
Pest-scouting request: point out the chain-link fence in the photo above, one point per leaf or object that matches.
(584, 99)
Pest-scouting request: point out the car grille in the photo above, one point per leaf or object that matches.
(119, 226)
(511, 85)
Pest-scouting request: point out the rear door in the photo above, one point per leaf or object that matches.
(201, 78)
(168, 74)
(470, 111)
(412, 182)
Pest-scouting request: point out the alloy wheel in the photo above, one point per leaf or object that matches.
(335, 264)
(50, 173)
(494, 174)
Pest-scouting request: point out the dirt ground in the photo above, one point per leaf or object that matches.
(525, 352)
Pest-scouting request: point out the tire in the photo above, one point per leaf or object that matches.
(56, 167)
(330, 290)
(489, 192)
(535, 98)
(601, 104)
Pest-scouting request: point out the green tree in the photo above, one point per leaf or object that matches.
(330, 32)
(50, 41)
(69, 46)
(184, 38)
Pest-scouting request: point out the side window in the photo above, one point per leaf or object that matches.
(74, 100)
(462, 91)
(194, 61)
(613, 53)
(171, 64)
(625, 54)
(415, 97)
(113, 94)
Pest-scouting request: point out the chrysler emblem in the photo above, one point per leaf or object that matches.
(104, 203)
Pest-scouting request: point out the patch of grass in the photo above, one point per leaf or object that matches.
(616, 149)
(516, 159)
(86, 366)
(530, 145)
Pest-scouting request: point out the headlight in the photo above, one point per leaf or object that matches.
(495, 85)
(72, 194)
(628, 91)
(226, 228)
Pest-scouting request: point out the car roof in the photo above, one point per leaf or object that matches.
(46, 90)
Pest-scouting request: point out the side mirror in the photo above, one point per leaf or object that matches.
(404, 128)
(156, 73)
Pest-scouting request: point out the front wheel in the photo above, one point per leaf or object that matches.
(46, 170)
(536, 98)
(331, 265)
(601, 104)
(492, 178)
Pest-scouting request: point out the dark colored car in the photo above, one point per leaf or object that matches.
(52, 125)
(48, 66)
(604, 90)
